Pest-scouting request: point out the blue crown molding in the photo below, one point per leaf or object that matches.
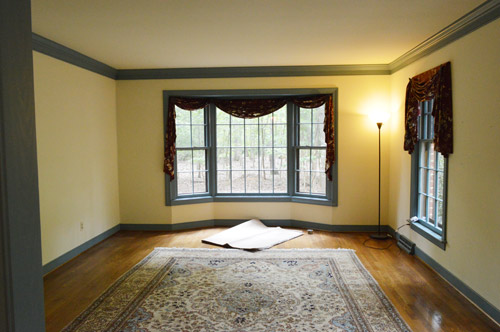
(61, 52)
(478, 17)
(265, 71)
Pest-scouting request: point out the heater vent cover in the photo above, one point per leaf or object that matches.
(405, 244)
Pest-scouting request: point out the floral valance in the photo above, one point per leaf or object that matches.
(248, 109)
(432, 84)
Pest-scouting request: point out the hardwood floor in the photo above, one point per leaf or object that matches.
(423, 298)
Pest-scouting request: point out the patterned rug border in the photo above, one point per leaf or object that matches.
(238, 253)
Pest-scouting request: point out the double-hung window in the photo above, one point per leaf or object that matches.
(429, 181)
(251, 154)
(275, 157)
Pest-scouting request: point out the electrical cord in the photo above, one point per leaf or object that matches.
(408, 223)
(383, 248)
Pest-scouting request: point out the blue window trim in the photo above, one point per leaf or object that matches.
(420, 226)
(331, 188)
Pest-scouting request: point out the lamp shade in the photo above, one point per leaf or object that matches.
(379, 116)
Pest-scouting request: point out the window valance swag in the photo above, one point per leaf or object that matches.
(434, 83)
(249, 109)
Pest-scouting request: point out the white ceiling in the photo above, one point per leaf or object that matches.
(133, 34)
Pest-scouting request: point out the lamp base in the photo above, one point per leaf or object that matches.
(380, 236)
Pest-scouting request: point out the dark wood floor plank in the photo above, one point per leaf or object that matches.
(424, 299)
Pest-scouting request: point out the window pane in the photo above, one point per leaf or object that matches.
(432, 157)
(318, 183)
(238, 178)
(266, 155)
(280, 116)
(222, 117)
(252, 135)
(198, 136)
(266, 182)
(319, 114)
(305, 115)
(251, 122)
(280, 138)
(439, 219)
(430, 126)
(304, 159)
(305, 135)
(432, 208)
(183, 133)
(223, 182)
(236, 120)
(266, 136)
(252, 158)
(440, 185)
(304, 182)
(318, 159)
(184, 161)
(237, 158)
(182, 116)
(222, 135)
(198, 116)
(432, 183)
(199, 163)
(237, 134)
(223, 159)
(266, 120)
(422, 179)
(200, 182)
(422, 207)
(318, 138)
(252, 185)
(423, 155)
(280, 182)
(184, 184)
(440, 162)
(280, 159)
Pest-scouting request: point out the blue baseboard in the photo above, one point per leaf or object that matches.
(52, 265)
(468, 292)
(268, 222)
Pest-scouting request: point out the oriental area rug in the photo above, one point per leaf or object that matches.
(233, 290)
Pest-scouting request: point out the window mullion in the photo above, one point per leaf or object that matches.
(427, 145)
(292, 153)
(258, 155)
(230, 155)
(272, 150)
(436, 185)
(310, 156)
(245, 155)
(192, 151)
(212, 152)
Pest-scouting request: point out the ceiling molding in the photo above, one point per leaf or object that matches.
(66, 54)
(478, 17)
(265, 71)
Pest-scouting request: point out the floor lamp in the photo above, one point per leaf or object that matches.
(379, 235)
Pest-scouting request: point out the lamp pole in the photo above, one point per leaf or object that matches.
(379, 235)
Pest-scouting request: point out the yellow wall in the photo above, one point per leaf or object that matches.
(140, 145)
(79, 116)
(474, 168)
(77, 154)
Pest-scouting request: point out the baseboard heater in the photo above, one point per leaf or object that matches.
(405, 244)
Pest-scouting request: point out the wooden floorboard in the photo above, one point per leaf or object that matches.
(423, 298)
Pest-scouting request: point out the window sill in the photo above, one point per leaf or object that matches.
(433, 237)
(246, 199)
